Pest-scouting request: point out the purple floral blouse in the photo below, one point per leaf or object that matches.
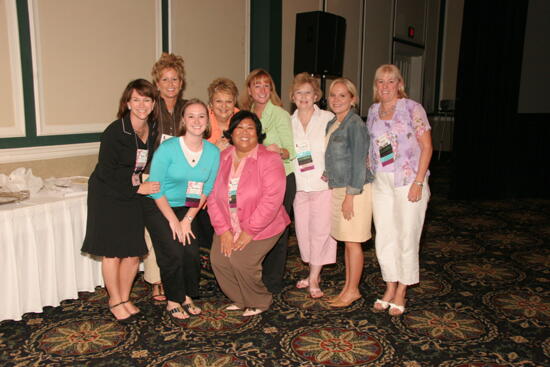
(409, 122)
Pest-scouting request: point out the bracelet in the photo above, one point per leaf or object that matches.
(419, 183)
(189, 218)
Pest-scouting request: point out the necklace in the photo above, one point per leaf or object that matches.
(383, 113)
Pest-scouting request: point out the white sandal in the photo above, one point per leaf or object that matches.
(232, 307)
(393, 306)
(384, 304)
(249, 311)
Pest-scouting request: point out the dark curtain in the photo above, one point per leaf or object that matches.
(497, 153)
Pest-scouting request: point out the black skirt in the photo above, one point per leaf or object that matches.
(115, 225)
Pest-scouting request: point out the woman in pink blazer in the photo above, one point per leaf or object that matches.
(247, 213)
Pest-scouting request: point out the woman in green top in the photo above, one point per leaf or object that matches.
(260, 97)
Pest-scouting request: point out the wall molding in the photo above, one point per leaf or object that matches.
(15, 155)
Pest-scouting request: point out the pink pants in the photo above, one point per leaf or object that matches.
(312, 216)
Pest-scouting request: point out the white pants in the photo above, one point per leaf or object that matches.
(398, 225)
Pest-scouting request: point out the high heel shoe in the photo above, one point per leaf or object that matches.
(123, 321)
(341, 303)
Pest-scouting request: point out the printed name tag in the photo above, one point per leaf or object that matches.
(385, 149)
(304, 157)
(193, 194)
(233, 185)
(165, 137)
(141, 162)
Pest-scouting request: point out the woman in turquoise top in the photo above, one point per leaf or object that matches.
(186, 168)
(261, 98)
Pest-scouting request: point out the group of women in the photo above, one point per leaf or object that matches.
(229, 178)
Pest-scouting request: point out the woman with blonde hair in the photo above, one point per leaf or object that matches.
(399, 156)
(168, 77)
(222, 104)
(259, 96)
(349, 178)
(313, 196)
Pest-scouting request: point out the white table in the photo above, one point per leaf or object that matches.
(40, 259)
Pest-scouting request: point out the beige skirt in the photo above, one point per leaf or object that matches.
(358, 229)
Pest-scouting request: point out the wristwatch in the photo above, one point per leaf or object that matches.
(189, 218)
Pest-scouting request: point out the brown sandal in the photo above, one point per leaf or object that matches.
(160, 296)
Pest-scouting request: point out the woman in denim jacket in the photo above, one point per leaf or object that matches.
(347, 142)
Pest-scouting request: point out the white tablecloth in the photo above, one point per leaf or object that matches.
(40, 259)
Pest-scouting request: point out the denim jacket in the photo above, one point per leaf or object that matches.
(346, 155)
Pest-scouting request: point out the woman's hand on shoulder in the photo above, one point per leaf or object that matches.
(149, 187)
(226, 243)
(280, 151)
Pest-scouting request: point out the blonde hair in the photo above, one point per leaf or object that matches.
(246, 101)
(168, 61)
(396, 73)
(349, 86)
(222, 85)
(306, 78)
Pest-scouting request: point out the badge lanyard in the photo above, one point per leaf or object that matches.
(141, 160)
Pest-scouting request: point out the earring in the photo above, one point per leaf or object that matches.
(130, 108)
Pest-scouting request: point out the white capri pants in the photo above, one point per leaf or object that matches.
(398, 225)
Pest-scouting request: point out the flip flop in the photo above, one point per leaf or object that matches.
(191, 309)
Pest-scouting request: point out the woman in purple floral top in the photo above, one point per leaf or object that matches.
(399, 156)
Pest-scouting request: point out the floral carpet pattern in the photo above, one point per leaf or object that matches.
(483, 301)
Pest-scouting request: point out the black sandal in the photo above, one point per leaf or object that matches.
(188, 307)
(175, 310)
(125, 320)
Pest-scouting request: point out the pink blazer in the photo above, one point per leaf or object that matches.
(259, 195)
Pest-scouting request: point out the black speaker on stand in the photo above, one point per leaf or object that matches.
(319, 46)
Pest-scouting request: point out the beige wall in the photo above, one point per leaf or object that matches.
(7, 112)
(11, 109)
(85, 53)
(378, 42)
(352, 10)
(61, 167)
(451, 48)
(211, 36)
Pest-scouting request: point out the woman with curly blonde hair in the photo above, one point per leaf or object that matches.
(168, 77)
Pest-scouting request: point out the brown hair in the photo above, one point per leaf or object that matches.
(390, 69)
(143, 88)
(206, 134)
(306, 78)
(169, 61)
(246, 101)
(222, 85)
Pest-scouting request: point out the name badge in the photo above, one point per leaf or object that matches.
(165, 137)
(141, 162)
(193, 194)
(233, 185)
(385, 149)
(304, 157)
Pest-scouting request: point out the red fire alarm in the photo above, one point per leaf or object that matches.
(411, 32)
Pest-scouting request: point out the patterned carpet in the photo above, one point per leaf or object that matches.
(483, 301)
